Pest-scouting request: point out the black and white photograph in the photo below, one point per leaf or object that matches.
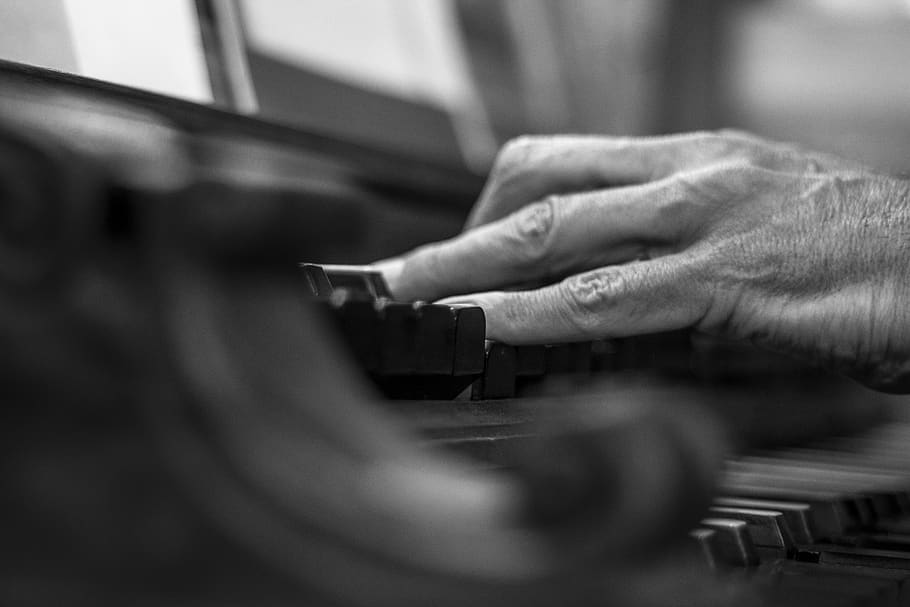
(454, 303)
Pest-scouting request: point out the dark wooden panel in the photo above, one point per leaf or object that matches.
(432, 181)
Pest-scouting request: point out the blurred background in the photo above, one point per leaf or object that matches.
(452, 79)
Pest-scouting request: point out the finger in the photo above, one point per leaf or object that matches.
(531, 168)
(547, 240)
(789, 157)
(640, 297)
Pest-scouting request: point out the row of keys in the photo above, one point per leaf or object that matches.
(827, 525)
(418, 350)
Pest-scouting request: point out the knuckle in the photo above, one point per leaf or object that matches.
(590, 296)
(727, 180)
(741, 175)
(532, 229)
(729, 146)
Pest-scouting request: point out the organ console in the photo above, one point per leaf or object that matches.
(198, 413)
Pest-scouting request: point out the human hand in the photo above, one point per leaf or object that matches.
(724, 232)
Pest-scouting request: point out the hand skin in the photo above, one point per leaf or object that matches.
(725, 232)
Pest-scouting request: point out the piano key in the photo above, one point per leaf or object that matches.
(767, 528)
(797, 514)
(903, 503)
(828, 513)
(358, 321)
(876, 492)
(531, 361)
(498, 379)
(435, 339)
(470, 342)
(580, 354)
(359, 279)
(355, 282)
(605, 356)
(397, 337)
(574, 358)
(707, 541)
(732, 545)
(316, 281)
(669, 352)
(557, 359)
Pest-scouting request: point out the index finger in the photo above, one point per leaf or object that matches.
(531, 168)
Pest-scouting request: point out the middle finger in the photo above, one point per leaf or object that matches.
(546, 240)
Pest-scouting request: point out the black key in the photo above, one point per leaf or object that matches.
(568, 358)
(448, 354)
(580, 354)
(862, 508)
(316, 281)
(397, 338)
(531, 361)
(767, 528)
(903, 502)
(885, 504)
(666, 352)
(498, 379)
(557, 359)
(605, 356)
(732, 545)
(435, 339)
(470, 343)
(358, 321)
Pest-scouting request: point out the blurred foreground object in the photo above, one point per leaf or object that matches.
(180, 429)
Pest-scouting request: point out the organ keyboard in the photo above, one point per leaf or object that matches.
(823, 524)
(157, 392)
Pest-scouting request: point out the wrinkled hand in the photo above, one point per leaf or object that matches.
(724, 232)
